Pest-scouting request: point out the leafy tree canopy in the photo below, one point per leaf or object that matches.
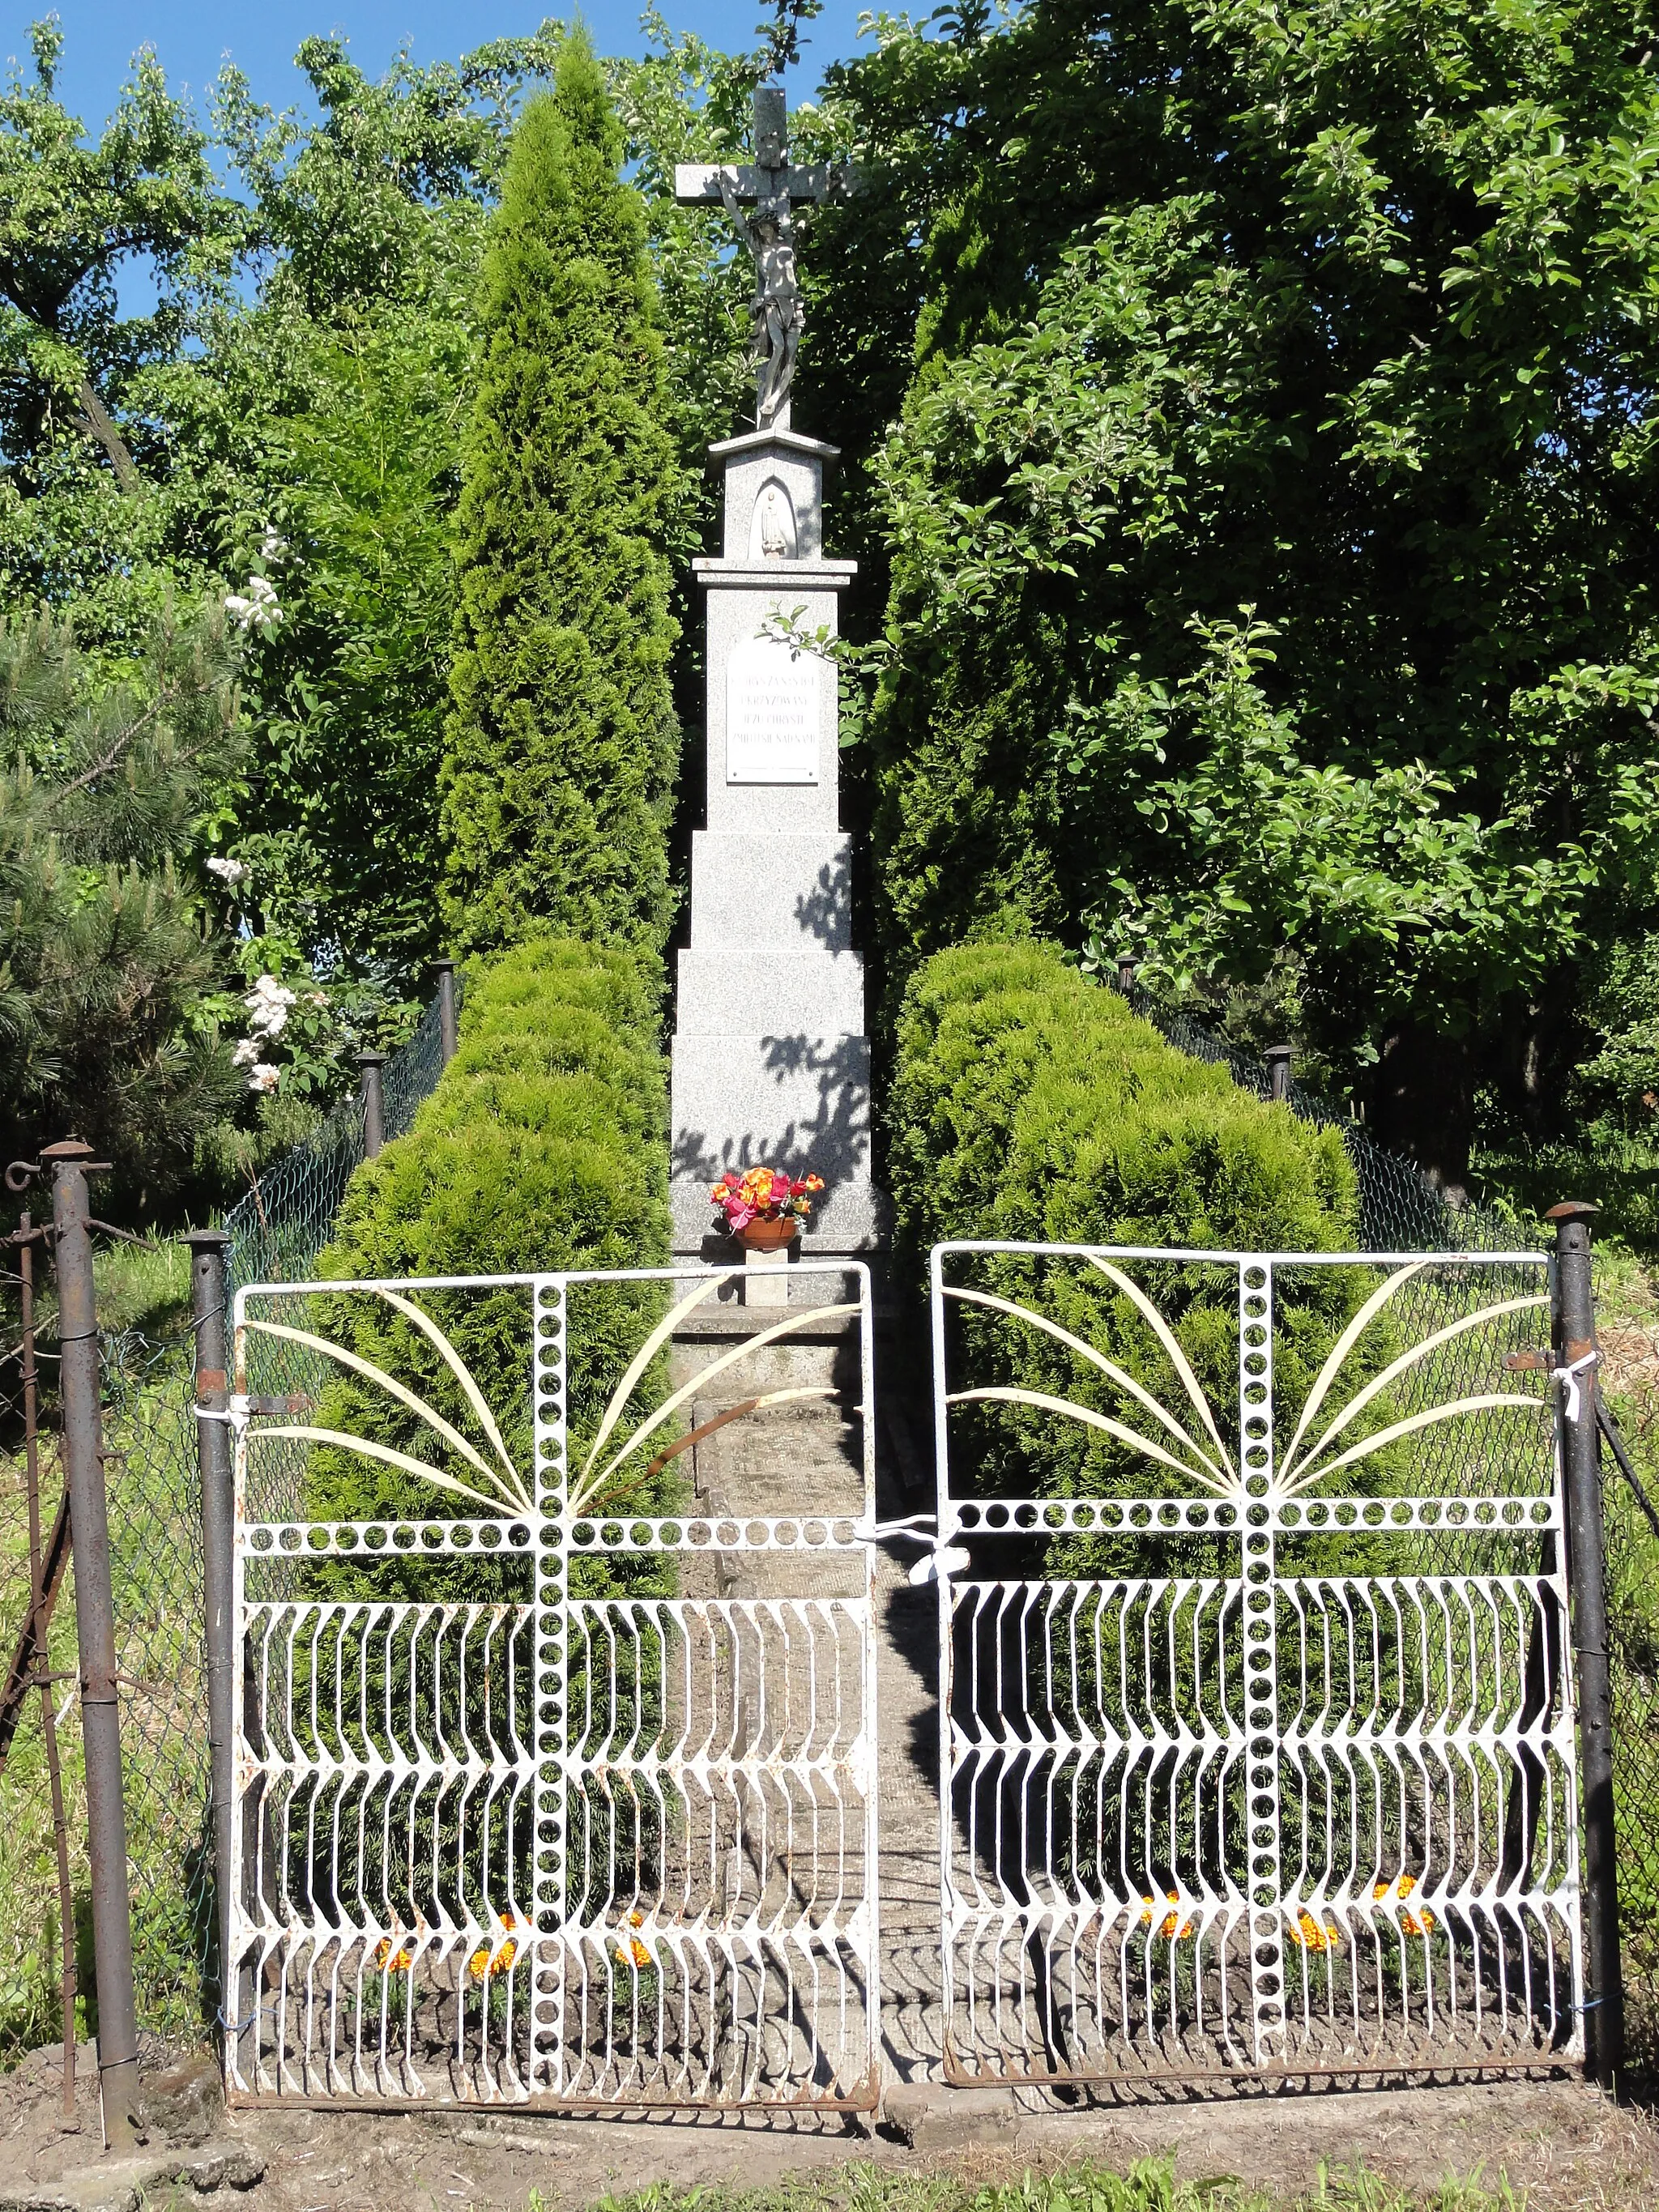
(1271, 514)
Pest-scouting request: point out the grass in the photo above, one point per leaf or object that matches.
(1150, 2185)
(150, 1439)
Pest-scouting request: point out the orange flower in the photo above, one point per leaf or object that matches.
(395, 1962)
(1308, 1932)
(633, 1952)
(1172, 1928)
(485, 1961)
(1414, 1923)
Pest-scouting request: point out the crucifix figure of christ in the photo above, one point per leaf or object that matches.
(771, 183)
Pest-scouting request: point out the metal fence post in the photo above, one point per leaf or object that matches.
(94, 1622)
(449, 1032)
(1278, 1057)
(209, 1300)
(369, 1065)
(1574, 1320)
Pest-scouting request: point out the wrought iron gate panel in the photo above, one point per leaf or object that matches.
(1306, 1800)
(502, 1834)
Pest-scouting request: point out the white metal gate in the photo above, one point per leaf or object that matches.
(521, 1815)
(1256, 1750)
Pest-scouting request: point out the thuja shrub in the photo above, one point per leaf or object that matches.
(561, 746)
(543, 1147)
(1028, 1102)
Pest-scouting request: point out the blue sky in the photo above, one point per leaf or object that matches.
(192, 36)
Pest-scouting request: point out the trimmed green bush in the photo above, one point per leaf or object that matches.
(562, 745)
(542, 1148)
(1028, 1102)
(1053, 1112)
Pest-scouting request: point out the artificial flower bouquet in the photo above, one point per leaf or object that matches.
(764, 1195)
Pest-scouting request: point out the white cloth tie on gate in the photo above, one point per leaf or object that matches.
(1570, 1375)
(236, 1413)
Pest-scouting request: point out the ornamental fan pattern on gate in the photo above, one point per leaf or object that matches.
(1257, 1750)
(541, 1799)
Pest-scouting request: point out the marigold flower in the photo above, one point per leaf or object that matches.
(633, 1952)
(1308, 1932)
(1172, 1928)
(395, 1962)
(1412, 1923)
(484, 1961)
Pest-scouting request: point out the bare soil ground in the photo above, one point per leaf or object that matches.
(1558, 2142)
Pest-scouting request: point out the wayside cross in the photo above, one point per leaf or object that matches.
(771, 183)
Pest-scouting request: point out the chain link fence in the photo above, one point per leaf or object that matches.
(1399, 1210)
(279, 1228)
(154, 1484)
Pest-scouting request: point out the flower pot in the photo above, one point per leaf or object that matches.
(768, 1236)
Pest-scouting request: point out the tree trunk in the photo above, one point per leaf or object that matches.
(93, 419)
(1423, 1103)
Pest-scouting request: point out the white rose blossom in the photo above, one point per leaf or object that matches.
(267, 1005)
(262, 1076)
(257, 607)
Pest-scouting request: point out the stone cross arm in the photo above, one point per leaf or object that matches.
(697, 183)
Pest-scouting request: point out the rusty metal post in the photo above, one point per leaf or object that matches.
(40, 1635)
(210, 1303)
(1574, 1329)
(94, 1622)
(1278, 1057)
(448, 1028)
(369, 1065)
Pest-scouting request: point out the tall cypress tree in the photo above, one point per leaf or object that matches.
(561, 742)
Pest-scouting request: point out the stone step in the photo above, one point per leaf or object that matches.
(796, 1461)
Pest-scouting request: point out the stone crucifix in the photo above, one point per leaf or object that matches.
(771, 184)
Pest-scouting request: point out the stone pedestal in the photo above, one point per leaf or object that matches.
(771, 1060)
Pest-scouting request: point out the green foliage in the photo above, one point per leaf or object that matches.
(543, 1147)
(1149, 2185)
(1343, 320)
(347, 202)
(318, 401)
(343, 844)
(352, 374)
(86, 415)
(107, 958)
(562, 742)
(1030, 1104)
(686, 101)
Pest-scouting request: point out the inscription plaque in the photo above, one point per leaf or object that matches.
(771, 713)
